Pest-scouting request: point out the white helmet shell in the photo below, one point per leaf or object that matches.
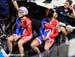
(24, 10)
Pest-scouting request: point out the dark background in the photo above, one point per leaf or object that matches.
(36, 14)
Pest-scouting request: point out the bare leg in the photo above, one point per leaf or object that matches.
(12, 38)
(34, 45)
(47, 46)
(64, 31)
(20, 45)
(9, 42)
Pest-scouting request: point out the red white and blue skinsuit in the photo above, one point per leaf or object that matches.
(49, 29)
(24, 28)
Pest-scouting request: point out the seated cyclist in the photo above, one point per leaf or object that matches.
(23, 30)
(48, 32)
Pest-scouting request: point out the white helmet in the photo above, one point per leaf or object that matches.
(24, 10)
